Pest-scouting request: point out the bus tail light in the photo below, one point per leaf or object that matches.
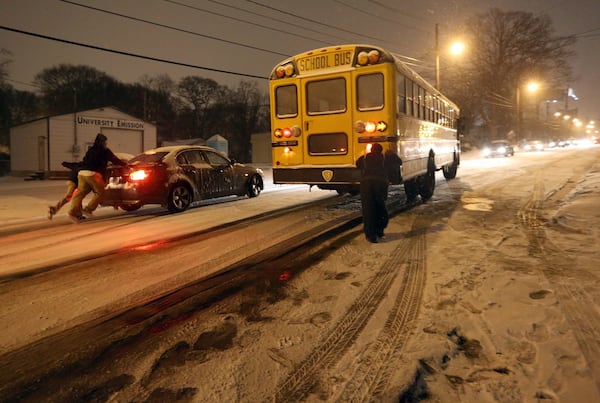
(288, 132)
(287, 70)
(371, 57)
(370, 127)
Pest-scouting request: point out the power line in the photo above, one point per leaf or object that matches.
(22, 83)
(224, 16)
(380, 4)
(249, 22)
(313, 21)
(384, 19)
(379, 17)
(174, 28)
(155, 59)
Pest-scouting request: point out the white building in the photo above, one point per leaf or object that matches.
(40, 146)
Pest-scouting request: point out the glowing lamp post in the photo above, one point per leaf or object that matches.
(456, 49)
(531, 87)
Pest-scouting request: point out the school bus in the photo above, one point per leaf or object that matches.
(329, 105)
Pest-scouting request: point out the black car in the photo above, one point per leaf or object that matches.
(177, 176)
(499, 148)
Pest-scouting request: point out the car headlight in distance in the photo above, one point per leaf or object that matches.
(486, 151)
(501, 150)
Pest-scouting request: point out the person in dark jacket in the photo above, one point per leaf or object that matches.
(91, 177)
(373, 193)
(71, 187)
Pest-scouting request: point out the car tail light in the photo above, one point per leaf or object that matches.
(138, 175)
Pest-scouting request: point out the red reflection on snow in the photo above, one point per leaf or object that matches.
(147, 246)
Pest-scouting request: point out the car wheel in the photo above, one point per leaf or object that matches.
(180, 198)
(255, 186)
(131, 207)
(427, 181)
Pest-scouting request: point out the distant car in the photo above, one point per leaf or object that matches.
(177, 176)
(533, 145)
(498, 148)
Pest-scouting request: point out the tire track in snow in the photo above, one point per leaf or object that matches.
(577, 304)
(376, 371)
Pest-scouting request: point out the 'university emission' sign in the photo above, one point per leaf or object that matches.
(106, 122)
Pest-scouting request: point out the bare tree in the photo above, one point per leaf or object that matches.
(4, 62)
(201, 94)
(245, 113)
(67, 88)
(505, 50)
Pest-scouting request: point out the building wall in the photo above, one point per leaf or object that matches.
(61, 141)
(68, 137)
(25, 150)
(261, 148)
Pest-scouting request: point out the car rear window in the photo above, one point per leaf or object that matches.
(147, 158)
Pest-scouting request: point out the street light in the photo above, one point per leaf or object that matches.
(456, 49)
(532, 86)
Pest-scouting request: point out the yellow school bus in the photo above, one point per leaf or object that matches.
(329, 105)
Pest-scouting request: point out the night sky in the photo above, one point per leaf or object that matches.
(229, 40)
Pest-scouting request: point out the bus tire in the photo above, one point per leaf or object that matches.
(449, 170)
(411, 189)
(427, 181)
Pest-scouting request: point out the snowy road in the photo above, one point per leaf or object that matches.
(502, 264)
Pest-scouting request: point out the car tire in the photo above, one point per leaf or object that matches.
(180, 198)
(254, 185)
(131, 207)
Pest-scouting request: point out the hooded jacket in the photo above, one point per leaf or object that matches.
(98, 156)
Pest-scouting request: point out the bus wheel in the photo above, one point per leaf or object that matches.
(449, 171)
(350, 189)
(427, 181)
(411, 190)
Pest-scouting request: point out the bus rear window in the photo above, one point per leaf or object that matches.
(286, 101)
(328, 144)
(369, 95)
(326, 96)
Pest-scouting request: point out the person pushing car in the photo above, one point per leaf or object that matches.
(91, 177)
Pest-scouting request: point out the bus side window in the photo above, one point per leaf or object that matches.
(422, 102)
(410, 107)
(286, 101)
(401, 94)
(417, 111)
(428, 106)
(369, 94)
